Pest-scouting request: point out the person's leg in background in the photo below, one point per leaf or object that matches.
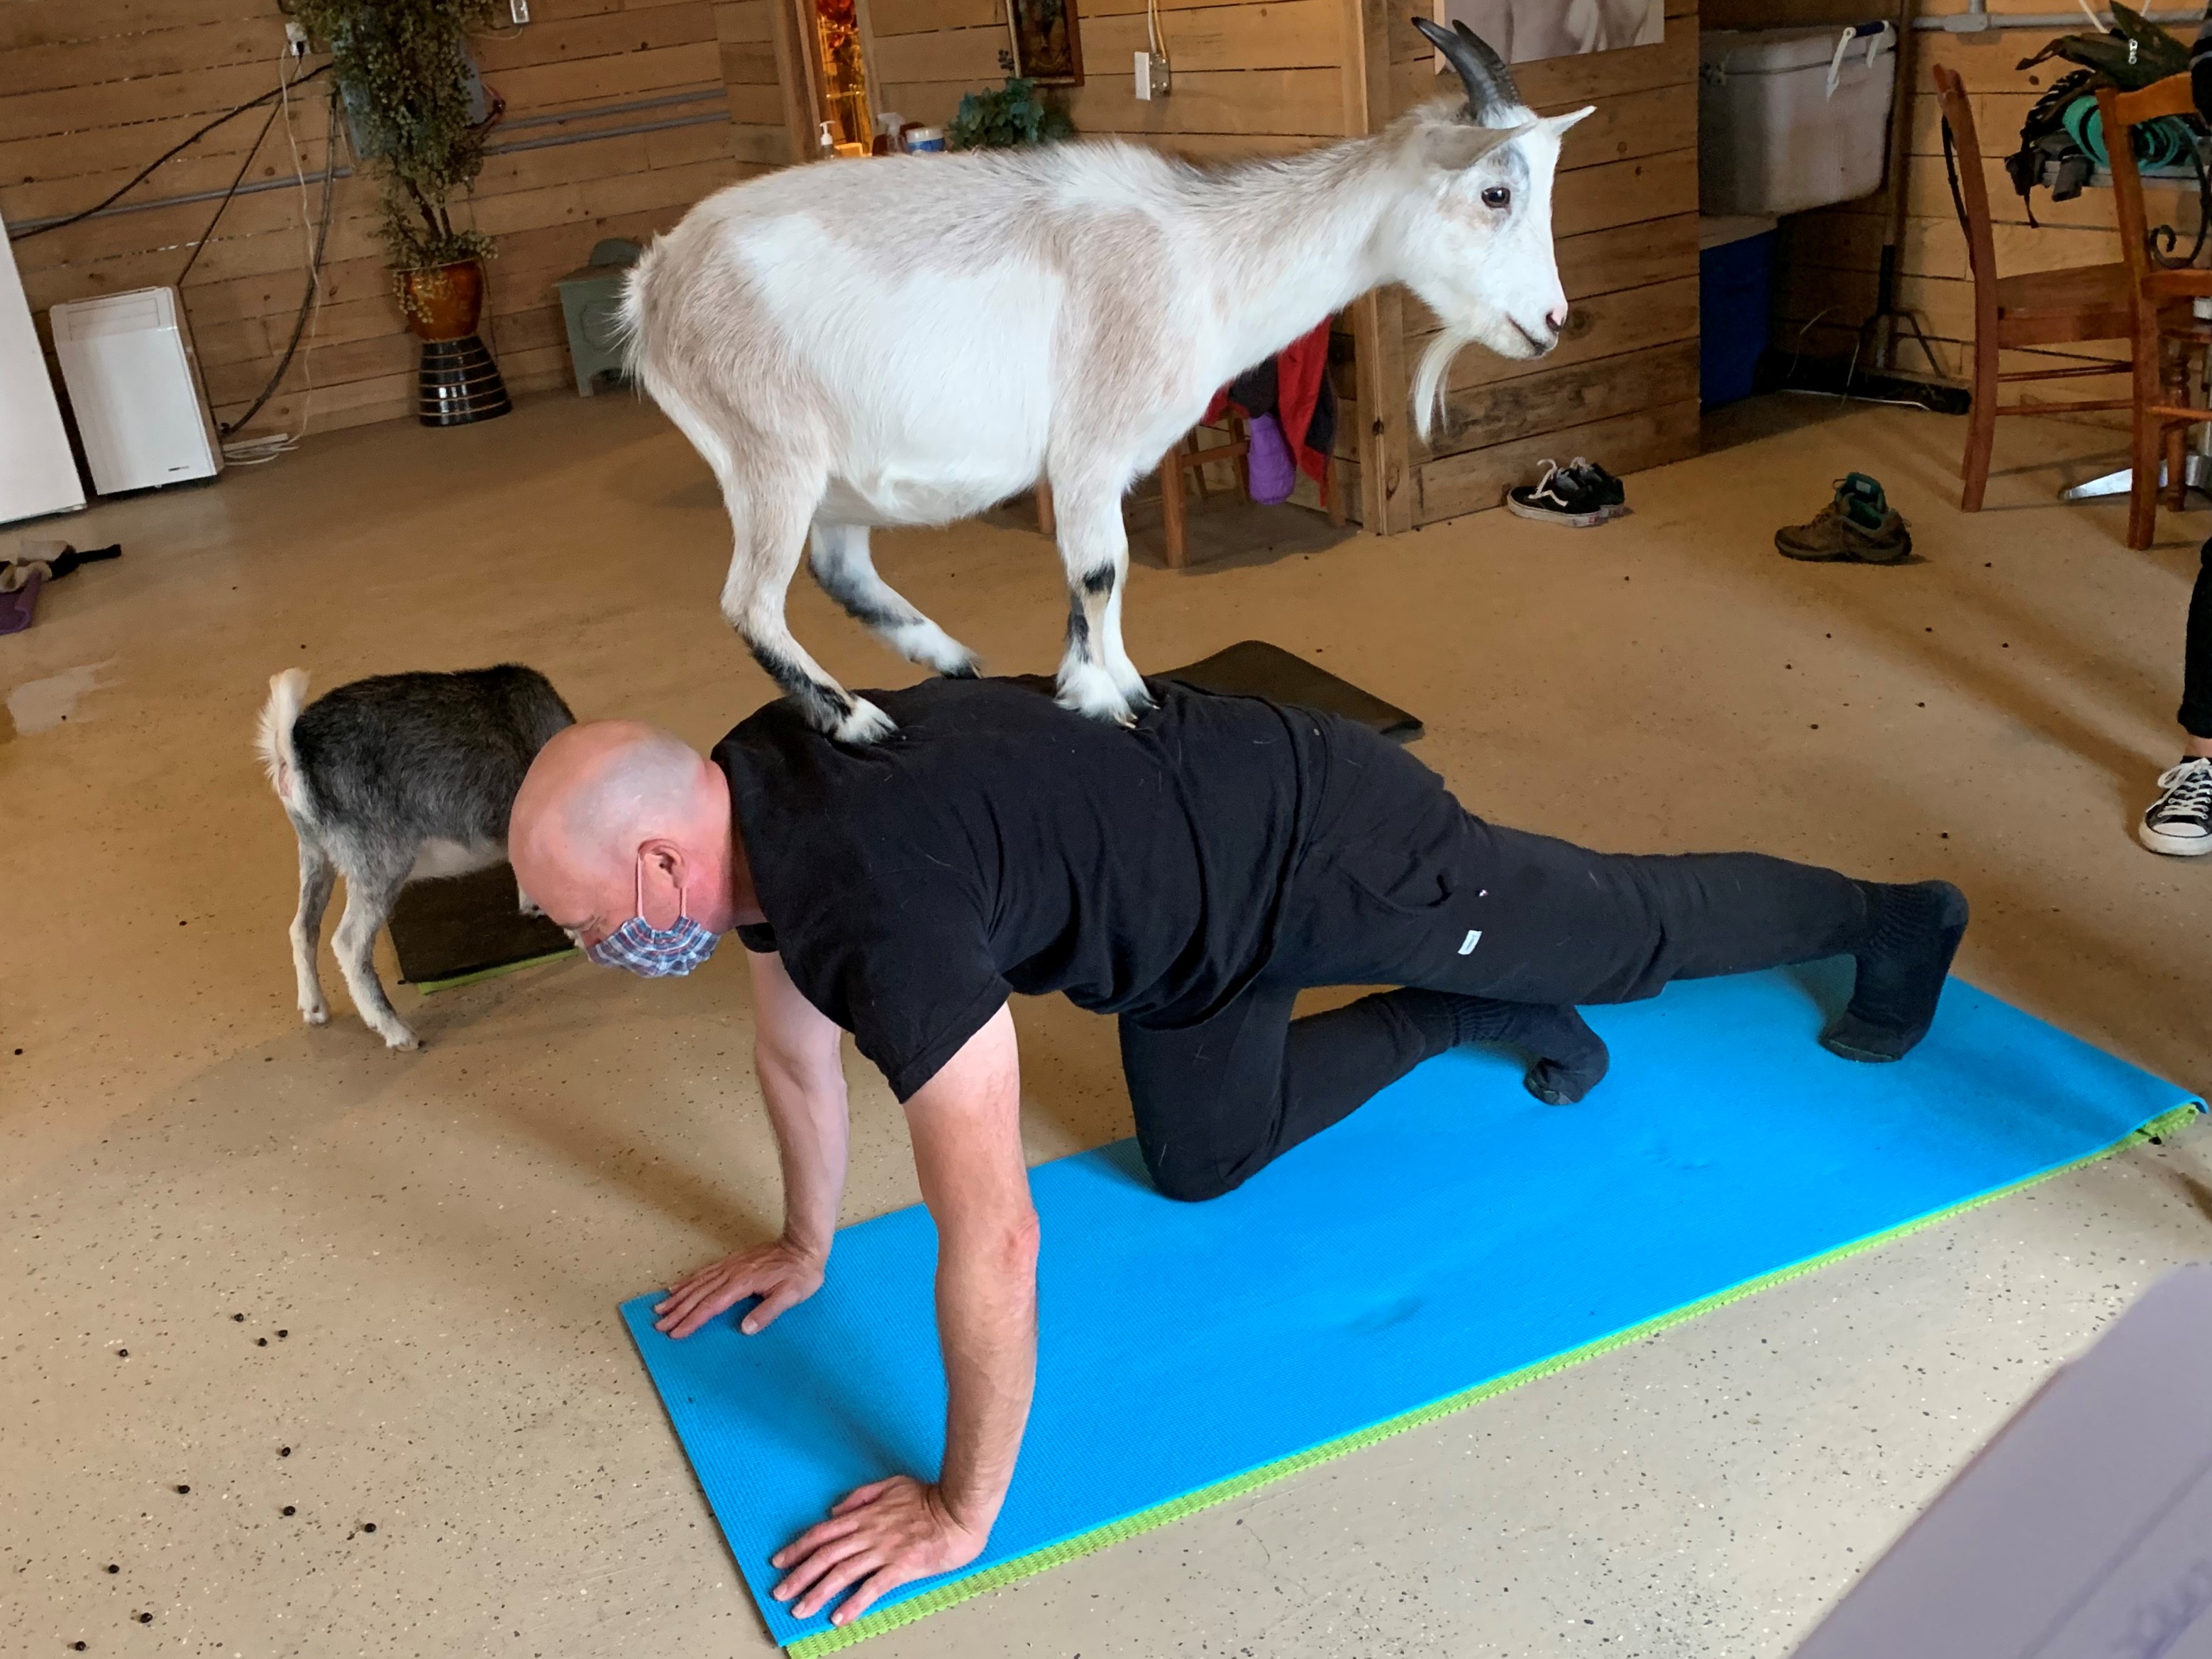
(1217, 1102)
(2179, 822)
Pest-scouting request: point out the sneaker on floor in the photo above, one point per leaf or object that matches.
(1558, 497)
(1609, 491)
(2179, 821)
(1859, 525)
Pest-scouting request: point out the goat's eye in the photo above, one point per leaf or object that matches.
(1497, 197)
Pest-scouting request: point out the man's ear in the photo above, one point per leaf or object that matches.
(1458, 145)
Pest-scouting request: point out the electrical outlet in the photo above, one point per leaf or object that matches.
(1151, 75)
(296, 38)
(518, 10)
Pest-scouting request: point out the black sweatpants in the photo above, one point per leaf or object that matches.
(1414, 891)
(2195, 715)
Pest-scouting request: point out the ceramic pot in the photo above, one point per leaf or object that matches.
(442, 302)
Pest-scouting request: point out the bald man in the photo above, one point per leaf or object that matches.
(1189, 876)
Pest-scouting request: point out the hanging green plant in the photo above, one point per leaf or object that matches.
(1006, 118)
(413, 102)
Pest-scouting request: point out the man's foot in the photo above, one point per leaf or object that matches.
(1568, 1060)
(1858, 525)
(2179, 821)
(1913, 932)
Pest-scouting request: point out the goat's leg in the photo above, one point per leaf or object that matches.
(1096, 675)
(371, 888)
(770, 515)
(838, 555)
(316, 879)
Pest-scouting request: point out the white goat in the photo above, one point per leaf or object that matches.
(908, 340)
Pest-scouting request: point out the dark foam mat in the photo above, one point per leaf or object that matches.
(1254, 668)
(464, 926)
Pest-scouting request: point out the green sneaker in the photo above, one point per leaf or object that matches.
(1859, 525)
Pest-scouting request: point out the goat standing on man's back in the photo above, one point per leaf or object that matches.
(909, 339)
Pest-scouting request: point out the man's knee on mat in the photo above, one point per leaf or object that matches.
(1190, 1182)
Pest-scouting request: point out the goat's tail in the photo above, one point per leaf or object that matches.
(287, 691)
(629, 330)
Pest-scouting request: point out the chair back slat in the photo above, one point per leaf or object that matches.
(1973, 186)
(2122, 112)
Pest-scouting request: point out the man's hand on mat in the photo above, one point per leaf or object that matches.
(781, 1274)
(881, 1535)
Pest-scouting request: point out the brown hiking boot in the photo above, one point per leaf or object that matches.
(1858, 525)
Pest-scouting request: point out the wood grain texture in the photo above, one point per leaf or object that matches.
(90, 92)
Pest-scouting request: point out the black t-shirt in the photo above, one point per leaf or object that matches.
(997, 842)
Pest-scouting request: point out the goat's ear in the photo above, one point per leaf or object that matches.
(1456, 145)
(1559, 124)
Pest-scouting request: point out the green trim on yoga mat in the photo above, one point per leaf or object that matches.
(945, 1595)
(429, 986)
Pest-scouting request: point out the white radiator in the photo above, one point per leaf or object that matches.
(134, 389)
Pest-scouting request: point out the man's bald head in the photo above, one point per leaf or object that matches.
(607, 799)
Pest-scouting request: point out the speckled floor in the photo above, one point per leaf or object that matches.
(367, 1299)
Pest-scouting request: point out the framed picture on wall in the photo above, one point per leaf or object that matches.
(1520, 31)
(1048, 41)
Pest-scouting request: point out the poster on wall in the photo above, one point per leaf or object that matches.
(1048, 46)
(1522, 31)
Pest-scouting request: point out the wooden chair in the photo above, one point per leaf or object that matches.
(2035, 309)
(2167, 332)
(1185, 455)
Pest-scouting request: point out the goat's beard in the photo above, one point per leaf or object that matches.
(1429, 381)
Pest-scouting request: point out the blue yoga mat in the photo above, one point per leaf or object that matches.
(1449, 1239)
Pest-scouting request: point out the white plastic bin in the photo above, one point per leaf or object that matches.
(1792, 118)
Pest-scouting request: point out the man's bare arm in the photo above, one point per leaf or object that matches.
(802, 1078)
(966, 1125)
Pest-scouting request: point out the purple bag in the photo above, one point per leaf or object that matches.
(1273, 470)
(15, 608)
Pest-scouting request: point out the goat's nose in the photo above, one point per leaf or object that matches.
(1557, 317)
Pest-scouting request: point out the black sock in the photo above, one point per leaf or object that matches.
(1568, 1058)
(1913, 933)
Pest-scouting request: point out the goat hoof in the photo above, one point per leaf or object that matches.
(864, 723)
(402, 1039)
(315, 1015)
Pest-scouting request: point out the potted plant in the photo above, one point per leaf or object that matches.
(1006, 118)
(415, 108)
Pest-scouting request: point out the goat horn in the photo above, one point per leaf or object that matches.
(1489, 82)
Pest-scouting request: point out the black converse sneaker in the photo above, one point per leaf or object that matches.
(2179, 821)
(1562, 496)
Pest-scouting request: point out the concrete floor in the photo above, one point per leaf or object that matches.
(431, 1246)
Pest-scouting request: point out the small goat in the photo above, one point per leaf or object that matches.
(907, 340)
(394, 780)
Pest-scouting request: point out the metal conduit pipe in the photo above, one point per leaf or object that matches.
(1979, 19)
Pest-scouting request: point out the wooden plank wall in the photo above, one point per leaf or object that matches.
(91, 90)
(1252, 78)
(1622, 385)
(1826, 283)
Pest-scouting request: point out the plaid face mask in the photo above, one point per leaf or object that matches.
(655, 952)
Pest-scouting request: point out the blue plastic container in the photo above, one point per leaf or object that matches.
(1735, 280)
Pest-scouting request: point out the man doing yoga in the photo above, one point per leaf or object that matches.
(1190, 876)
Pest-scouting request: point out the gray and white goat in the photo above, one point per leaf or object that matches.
(392, 779)
(908, 340)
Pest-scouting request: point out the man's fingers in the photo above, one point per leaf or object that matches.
(862, 1495)
(850, 1571)
(821, 1533)
(778, 1298)
(809, 1571)
(878, 1583)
